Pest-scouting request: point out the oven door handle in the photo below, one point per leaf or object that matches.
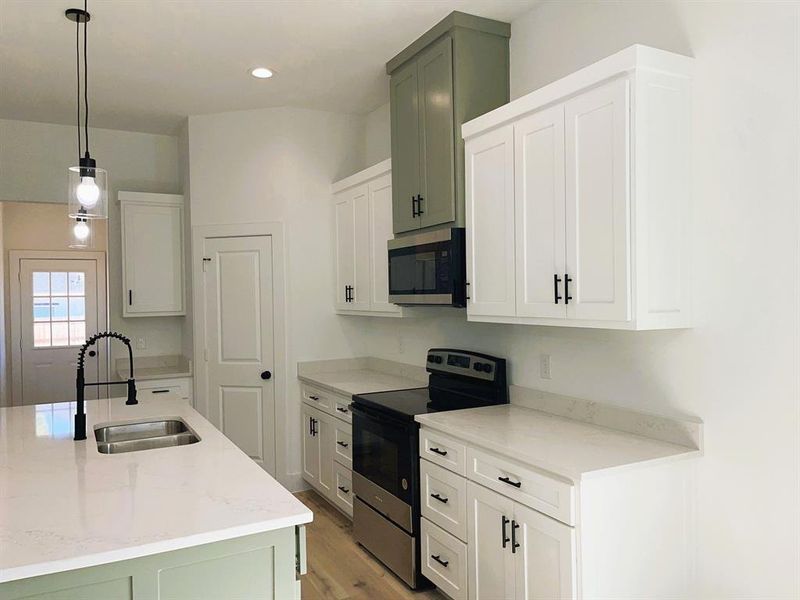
(377, 417)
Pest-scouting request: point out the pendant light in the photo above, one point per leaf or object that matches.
(81, 233)
(88, 190)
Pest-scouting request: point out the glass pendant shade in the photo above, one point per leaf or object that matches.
(81, 233)
(88, 193)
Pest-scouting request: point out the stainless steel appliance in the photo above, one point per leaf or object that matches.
(428, 268)
(386, 507)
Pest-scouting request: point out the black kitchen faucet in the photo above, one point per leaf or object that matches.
(80, 382)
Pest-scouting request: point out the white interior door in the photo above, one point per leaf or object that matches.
(597, 189)
(239, 348)
(55, 310)
(490, 223)
(540, 219)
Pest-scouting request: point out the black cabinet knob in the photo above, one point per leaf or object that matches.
(266, 375)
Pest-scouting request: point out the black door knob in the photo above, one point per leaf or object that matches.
(266, 375)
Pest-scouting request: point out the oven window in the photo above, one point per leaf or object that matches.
(379, 459)
(420, 270)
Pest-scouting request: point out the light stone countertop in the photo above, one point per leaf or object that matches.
(568, 448)
(63, 505)
(154, 367)
(361, 375)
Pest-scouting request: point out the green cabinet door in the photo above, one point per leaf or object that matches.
(404, 99)
(435, 73)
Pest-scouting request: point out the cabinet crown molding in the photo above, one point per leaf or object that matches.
(150, 198)
(376, 170)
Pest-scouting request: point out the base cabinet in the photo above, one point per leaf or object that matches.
(327, 446)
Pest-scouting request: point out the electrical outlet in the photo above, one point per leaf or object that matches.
(141, 344)
(544, 366)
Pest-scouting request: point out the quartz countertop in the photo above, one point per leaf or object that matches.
(361, 376)
(154, 367)
(63, 505)
(564, 447)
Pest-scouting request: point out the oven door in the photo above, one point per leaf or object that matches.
(385, 451)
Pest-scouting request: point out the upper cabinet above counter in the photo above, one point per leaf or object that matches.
(578, 199)
(455, 72)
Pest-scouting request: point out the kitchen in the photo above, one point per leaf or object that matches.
(722, 383)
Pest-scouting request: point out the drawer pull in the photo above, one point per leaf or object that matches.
(438, 558)
(343, 444)
(342, 410)
(439, 452)
(159, 391)
(314, 398)
(343, 489)
(439, 498)
(516, 484)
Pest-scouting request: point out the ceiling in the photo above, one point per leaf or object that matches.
(153, 62)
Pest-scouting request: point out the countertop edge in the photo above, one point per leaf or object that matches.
(333, 389)
(103, 558)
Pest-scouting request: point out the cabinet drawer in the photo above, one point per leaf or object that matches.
(341, 408)
(444, 498)
(343, 490)
(316, 397)
(444, 560)
(443, 450)
(527, 486)
(343, 443)
(163, 388)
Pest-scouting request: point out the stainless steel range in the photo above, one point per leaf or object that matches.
(386, 507)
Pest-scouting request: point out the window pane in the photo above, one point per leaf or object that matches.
(58, 283)
(41, 309)
(77, 333)
(76, 284)
(77, 309)
(41, 283)
(58, 309)
(41, 335)
(60, 334)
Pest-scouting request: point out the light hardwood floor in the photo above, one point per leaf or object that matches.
(340, 569)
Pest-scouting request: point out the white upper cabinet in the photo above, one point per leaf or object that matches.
(593, 232)
(152, 254)
(362, 226)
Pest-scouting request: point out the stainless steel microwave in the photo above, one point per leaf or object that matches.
(428, 268)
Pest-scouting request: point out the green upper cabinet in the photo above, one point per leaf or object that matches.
(455, 72)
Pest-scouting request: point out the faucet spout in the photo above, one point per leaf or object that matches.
(80, 380)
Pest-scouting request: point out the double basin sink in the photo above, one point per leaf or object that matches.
(144, 435)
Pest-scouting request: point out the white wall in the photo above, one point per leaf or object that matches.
(34, 158)
(277, 165)
(738, 368)
(377, 135)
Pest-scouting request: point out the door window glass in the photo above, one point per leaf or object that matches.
(59, 309)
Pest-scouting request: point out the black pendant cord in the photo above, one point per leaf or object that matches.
(86, 79)
(78, 71)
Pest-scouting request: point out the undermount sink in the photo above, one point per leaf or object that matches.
(144, 435)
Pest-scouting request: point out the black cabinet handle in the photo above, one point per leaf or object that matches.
(315, 398)
(420, 199)
(342, 410)
(413, 207)
(313, 427)
(556, 281)
(567, 280)
(130, 297)
(439, 452)
(310, 426)
(159, 391)
(343, 489)
(439, 498)
(343, 444)
(438, 559)
(514, 544)
(516, 484)
(505, 522)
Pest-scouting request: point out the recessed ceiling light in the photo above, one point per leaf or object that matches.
(261, 73)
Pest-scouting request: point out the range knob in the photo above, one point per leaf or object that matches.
(430, 358)
(437, 359)
(487, 368)
(478, 367)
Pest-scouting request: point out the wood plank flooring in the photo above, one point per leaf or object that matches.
(340, 569)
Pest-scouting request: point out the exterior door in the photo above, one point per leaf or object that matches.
(57, 307)
(311, 449)
(546, 557)
(435, 72)
(380, 216)
(490, 224)
(597, 189)
(491, 563)
(403, 91)
(540, 218)
(237, 290)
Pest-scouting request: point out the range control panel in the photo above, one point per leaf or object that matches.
(466, 364)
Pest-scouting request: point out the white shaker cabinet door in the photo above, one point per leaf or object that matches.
(491, 562)
(540, 219)
(490, 223)
(380, 216)
(597, 209)
(545, 557)
(344, 220)
(311, 446)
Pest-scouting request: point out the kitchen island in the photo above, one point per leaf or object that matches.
(200, 520)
